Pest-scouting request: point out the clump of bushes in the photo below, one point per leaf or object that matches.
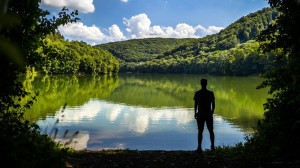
(23, 144)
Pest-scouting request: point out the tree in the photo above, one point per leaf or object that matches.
(21, 32)
(278, 133)
(22, 26)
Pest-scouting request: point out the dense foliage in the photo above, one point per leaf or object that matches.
(140, 50)
(277, 136)
(230, 52)
(22, 25)
(23, 144)
(58, 56)
(238, 32)
(243, 59)
(278, 133)
(26, 24)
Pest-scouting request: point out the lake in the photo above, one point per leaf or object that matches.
(142, 111)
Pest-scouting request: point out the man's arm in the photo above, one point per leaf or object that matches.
(213, 103)
(195, 108)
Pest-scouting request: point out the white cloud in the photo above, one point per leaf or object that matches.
(125, 1)
(210, 30)
(184, 30)
(139, 26)
(115, 34)
(85, 6)
(93, 35)
(78, 31)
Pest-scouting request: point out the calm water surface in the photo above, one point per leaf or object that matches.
(143, 111)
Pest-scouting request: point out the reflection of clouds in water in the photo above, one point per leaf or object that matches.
(135, 118)
(123, 126)
(79, 142)
(181, 115)
(113, 114)
(218, 119)
(87, 111)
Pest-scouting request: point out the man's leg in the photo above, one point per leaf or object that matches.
(210, 127)
(212, 138)
(200, 123)
(200, 139)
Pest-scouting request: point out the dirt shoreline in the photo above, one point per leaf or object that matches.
(173, 159)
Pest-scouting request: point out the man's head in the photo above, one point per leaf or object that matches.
(203, 82)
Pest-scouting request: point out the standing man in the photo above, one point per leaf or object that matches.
(204, 109)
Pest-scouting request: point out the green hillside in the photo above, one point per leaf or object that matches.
(244, 29)
(229, 52)
(59, 56)
(140, 50)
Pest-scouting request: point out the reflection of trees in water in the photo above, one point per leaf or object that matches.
(57, 90)
(157, 90)
(237, 100)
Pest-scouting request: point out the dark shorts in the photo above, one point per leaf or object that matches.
(209, 122)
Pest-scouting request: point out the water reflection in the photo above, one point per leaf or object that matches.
(55, 91)
(108, 125)
(237, 98)
(134, 118)
(148, 111)
(79, 142)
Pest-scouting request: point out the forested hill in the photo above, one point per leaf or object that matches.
(229, 52)
(59, 56)
(241, 31)
(138, 50)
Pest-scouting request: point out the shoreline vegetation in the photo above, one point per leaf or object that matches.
(59, 56)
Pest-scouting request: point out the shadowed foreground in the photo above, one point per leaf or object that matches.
(132, 158)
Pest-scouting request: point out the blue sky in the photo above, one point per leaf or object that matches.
(116, 20)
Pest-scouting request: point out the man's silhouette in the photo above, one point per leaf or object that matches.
(204, 109)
